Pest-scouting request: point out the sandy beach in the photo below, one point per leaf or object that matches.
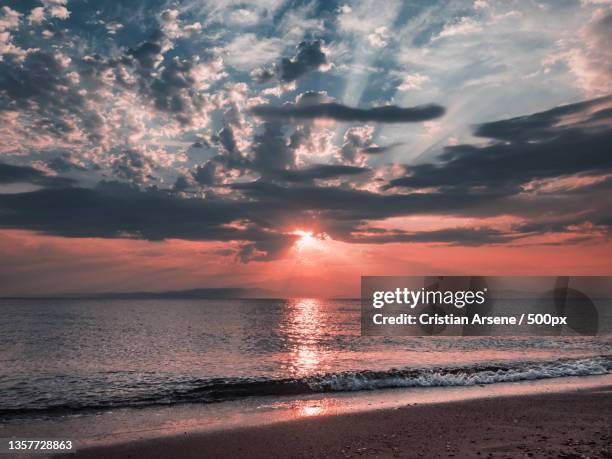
(569, 425)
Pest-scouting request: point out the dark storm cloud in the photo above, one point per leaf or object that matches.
(309, 56)
(339, 112)
(206, 174)
(113, 209)
(118, 210)
(226, 138)
(346, 203)
(547, 125)
(181, 184)
(25, 174)
(321, 171)
(567, 140)
(150, 52)
(378, 150)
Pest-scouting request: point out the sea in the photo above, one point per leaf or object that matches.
(61, 357)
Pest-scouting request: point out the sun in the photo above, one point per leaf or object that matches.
(310, 241)
(307, 240)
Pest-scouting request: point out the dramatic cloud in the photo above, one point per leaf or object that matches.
(65, 162)
(321, 171)
(118, 210)
(339, 112)
(357, 140)
(175, 86)
(491, 180)
(247, 125)
(25, 174)
(539, 146)
(309, 56)
(43, 87)
(206, 174)
(133, 166)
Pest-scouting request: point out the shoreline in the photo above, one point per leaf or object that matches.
(573, 423)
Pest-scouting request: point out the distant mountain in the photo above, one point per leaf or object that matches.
(204, 293)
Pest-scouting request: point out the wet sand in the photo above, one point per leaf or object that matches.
(568, 425)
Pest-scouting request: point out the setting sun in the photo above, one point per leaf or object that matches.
(306, 240)
(309, 240)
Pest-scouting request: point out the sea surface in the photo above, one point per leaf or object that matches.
(65, 356)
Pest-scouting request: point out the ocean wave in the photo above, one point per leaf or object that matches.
(155, 390)
(464, 376)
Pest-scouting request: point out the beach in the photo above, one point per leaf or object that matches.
(202, 378)
(305, 229)
(570, 424)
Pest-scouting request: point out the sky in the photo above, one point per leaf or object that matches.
(295, 146)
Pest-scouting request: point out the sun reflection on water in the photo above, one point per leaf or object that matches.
(311, 410)
(307, 407)
(304, 330)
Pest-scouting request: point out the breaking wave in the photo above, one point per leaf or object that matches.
(115, 390)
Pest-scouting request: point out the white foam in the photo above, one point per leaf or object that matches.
(365, 381)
